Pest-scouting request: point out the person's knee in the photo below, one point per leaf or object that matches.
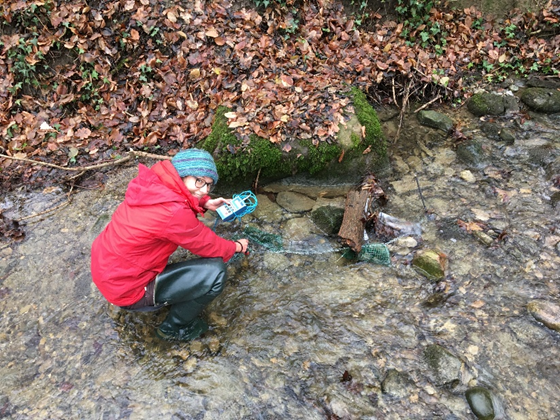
(219, 272)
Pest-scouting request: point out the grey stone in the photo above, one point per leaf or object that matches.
(510, 103)
(445, 367)
(491, 129)
(298, 228)
(396, 384)
(555, 199)
(471, 153)
(436, 120)
(549, 83)
(352, 128)
(268, 210)
(480, 402)
(541, 99)
(309, 189)
(486, 104)
(507, 136)
(294, 202)
(328, 219)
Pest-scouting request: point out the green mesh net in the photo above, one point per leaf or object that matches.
(371, 253)
(376, 253)
(269, 241)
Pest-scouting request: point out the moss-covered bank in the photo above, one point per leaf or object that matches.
(238, 162)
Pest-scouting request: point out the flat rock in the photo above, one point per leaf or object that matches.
(294, 202)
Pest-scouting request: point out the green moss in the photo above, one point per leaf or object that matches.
(368, 118)
(236, 161)
(318, 157)
(356, 140)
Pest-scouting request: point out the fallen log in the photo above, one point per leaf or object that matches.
(360, 207)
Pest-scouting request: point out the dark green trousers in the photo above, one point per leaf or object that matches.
(187, 288)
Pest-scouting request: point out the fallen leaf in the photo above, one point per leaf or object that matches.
(212, 33)
(83, 133)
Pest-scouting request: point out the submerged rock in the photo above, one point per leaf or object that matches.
(396, 384)
(480, 402)
(328, 218)
(294, 202)
(471, 153)
(431, 264)
(545, 312)
(445, 367)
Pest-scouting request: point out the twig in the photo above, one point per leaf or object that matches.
(420, 193)
(428, 103)
(403, 109)
(75, 176)
(256, 183)
(60, 206)
(394, 95)
(7, 245)
(132, 154)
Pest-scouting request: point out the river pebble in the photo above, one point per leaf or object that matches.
(480, 402)
(546, 312)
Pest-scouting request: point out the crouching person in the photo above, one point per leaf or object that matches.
(129, 259)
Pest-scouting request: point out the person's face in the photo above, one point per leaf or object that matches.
(198, 186)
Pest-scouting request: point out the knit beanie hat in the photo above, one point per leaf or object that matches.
(195, 162)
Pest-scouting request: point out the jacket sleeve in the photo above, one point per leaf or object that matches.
(185, 230)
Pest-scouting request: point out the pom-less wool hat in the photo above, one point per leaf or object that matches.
(195, 162)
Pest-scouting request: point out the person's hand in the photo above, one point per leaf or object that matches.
(215, 203)
(242, 245)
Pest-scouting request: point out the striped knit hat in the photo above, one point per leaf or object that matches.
(195, 162)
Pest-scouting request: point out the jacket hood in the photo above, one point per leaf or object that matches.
(157, 185)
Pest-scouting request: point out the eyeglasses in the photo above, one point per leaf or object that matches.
(201, 183)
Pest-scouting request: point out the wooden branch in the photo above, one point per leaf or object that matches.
(353, 223)
(361, 205)
(60, 206)
(428, 104)
(131, 155)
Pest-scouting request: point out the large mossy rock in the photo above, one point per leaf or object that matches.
(356, 151)
(486, 103)
(541, 99)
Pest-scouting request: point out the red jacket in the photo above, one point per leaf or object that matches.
(157, 215)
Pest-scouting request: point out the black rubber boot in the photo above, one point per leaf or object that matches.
(182, 322)
(188, 287)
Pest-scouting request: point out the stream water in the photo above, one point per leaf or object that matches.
(314, 336)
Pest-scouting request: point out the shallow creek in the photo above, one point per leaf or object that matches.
(314, 336)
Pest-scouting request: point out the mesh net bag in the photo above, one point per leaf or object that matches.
(375, 253)
(371, 253)
(269, 241)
